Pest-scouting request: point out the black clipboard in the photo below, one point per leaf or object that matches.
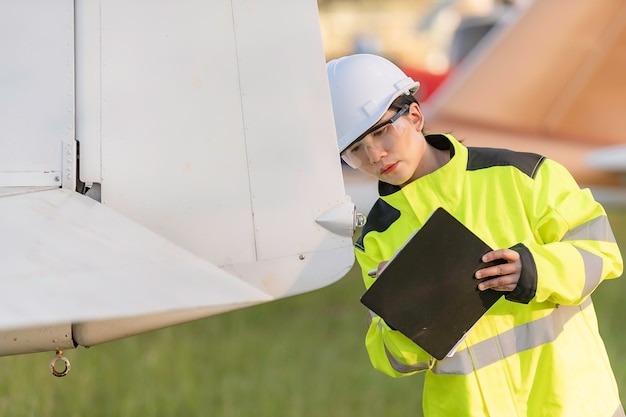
(428, 290)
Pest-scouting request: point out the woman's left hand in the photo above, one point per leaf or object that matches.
(506, 274)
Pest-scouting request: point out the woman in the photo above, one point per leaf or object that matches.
(537, 352)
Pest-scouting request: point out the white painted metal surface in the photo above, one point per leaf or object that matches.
(208, 126)
(173, 143)
(235, 162)
(72, 259)
(36, 90)
(88, 68)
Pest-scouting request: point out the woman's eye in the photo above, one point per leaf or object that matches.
(379, 131)
(355, 148)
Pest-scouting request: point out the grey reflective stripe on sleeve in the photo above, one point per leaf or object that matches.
(398, 366)
(520, 338)
(404, 368)
(619, 412)
(596, 229)
(593, 271)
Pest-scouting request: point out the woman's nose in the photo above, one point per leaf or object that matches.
(375, 153)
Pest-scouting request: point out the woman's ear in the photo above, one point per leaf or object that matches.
(416, 116)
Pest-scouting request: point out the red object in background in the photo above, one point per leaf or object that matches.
(429, 82)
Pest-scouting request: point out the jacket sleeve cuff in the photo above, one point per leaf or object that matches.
(527, 284)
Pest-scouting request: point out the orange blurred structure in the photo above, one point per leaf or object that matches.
(548, 79)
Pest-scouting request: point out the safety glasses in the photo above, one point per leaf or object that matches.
(380, 137)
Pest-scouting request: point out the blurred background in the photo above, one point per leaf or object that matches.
(301, 356)
(426, 38)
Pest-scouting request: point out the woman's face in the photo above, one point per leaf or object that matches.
(398, 162)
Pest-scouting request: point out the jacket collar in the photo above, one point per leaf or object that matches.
(440, 188)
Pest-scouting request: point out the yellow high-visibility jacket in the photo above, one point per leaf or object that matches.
(537, 352)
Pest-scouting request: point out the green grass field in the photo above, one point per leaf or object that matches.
(301, 356)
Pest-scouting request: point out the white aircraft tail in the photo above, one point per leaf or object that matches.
(204, 133)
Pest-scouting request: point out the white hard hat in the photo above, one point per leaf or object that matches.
(362, 87)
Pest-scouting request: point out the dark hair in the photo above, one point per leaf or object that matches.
(403, 100)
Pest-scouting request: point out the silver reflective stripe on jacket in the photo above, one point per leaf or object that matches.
(404, 368)
(398, 366)
(520, 338)
(597, 229)
(593, 271)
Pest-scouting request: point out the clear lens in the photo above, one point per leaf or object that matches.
(368, 149)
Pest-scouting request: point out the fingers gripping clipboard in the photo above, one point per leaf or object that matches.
(428, 290)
